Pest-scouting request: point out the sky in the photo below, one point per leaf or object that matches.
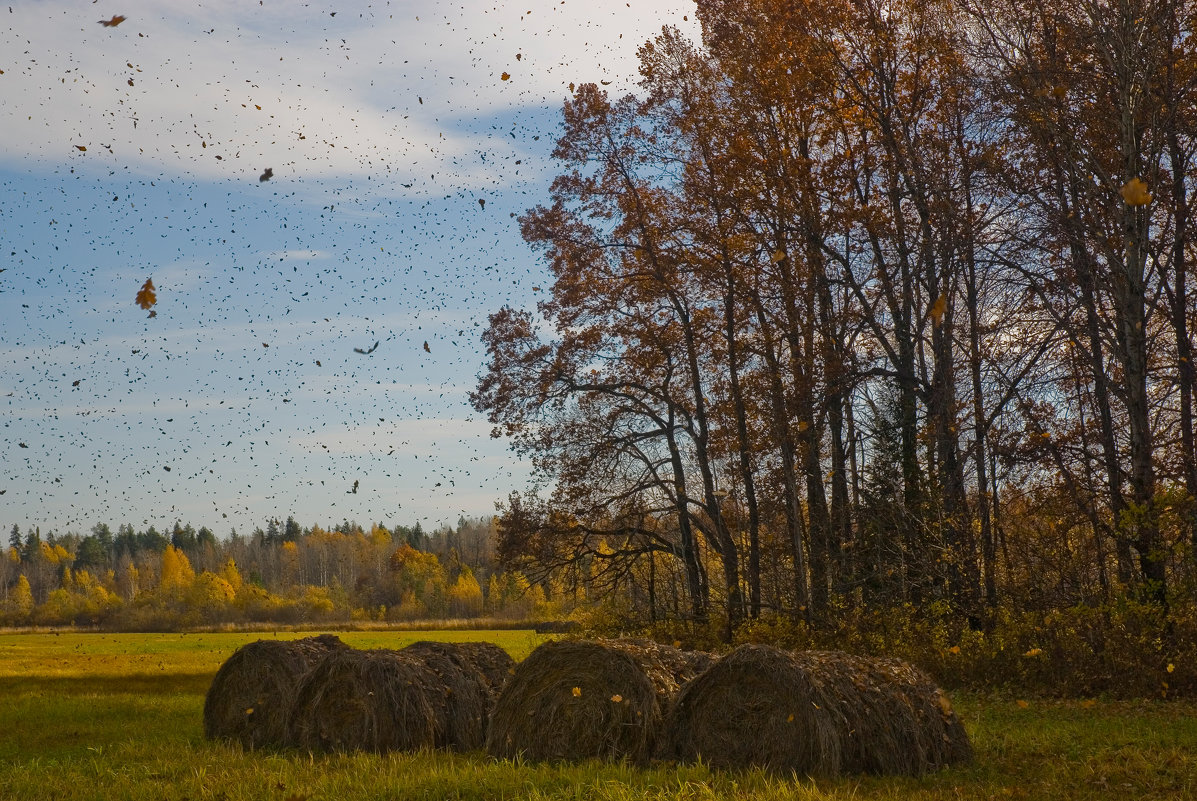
(316, 334)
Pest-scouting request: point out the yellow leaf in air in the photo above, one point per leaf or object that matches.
(1022, 704)
(1034, 652)
(146, 297)
(249, 711)
(790, 719)
(955, 649)
(617, 698)
(677, 643)
(1171, 667)
(938, 309)
(1134, 193)
(577, 691)
(778, 255)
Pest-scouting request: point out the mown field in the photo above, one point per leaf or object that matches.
(86, 716)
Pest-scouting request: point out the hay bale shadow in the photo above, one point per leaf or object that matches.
(249, 699)
(816, 713)
(576, 701)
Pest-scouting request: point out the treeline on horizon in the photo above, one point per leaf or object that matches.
(283, 573)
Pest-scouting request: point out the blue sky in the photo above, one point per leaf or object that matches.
(135, 151)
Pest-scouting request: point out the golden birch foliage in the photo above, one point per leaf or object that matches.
(465, 596)
(55, 554)
(177, 574)
(22, 596)
(230, 574)
(210, 591)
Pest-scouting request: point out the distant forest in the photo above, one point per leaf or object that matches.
(283, 573)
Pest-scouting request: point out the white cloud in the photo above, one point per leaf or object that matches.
(388, 90)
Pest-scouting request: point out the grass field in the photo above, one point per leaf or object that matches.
(87, 716)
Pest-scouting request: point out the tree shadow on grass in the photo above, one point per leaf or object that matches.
(161, 683)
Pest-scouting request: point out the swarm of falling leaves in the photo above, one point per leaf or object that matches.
(1134, 193)
(146, 296)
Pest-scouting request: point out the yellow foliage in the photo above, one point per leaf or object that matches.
(177, 574)
(210, 591)
(22, 596)
(465, 596)
(54, 554)
(230, 574)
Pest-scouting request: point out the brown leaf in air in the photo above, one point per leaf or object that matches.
(146, 296)
(117, 19)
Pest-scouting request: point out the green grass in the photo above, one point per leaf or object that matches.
(86, 716)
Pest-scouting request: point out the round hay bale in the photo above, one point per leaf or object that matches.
(575, 701)
(376, 700)
(490, 660)
(469, 690)
(942, 738)
(757, 707)
(817, 712)
(895, 718)
(250, 697)
(667, 667)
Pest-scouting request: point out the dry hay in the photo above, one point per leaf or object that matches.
(472, 674)
(816, 712)
(490, 660)
(667, 667)
(575, 701)
(250, 697)
(376, 700)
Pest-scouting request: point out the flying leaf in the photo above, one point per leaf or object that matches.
(146, 297)
(505, 77)
(577, 691)
(778, 255)
(938, 309)
(117, 19)
(617, 698)
(81, 148)
(266, 176)
(1134, 193)
(1022, 704)
(1034, 652)
(426, 348)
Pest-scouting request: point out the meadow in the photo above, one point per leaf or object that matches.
(85, 716)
